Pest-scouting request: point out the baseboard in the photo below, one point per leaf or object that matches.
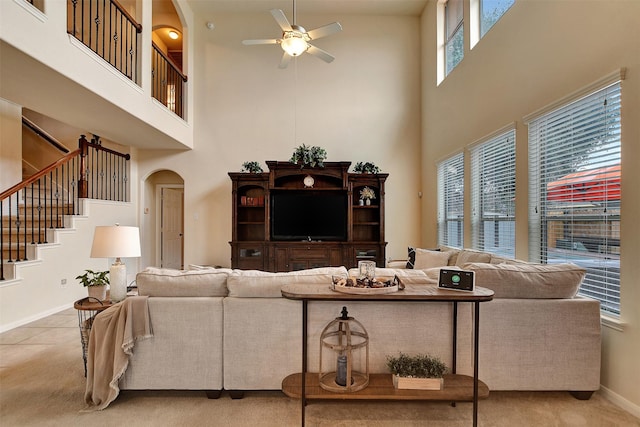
(619, 401)
(22, 322)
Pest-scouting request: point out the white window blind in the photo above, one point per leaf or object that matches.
(574, 190)
(493, 188)
(451, 201)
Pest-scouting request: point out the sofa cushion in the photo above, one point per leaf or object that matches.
(429, 259)
(262, 284)
(528, 280)
(466, 256)
(408, 276)
(166, 282)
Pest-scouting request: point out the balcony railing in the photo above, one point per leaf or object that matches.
(41, 202)
(105, 27)
(167, 82)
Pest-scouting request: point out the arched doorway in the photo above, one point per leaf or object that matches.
(164, 219)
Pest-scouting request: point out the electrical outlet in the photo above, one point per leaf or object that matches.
(63, 283)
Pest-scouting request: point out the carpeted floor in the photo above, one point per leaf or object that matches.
(42, 384)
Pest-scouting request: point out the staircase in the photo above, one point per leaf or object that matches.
(32, 210)
(32, 224)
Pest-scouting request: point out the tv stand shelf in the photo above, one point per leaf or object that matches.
(266, 235)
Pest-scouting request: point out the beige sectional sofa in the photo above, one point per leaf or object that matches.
(227, 329)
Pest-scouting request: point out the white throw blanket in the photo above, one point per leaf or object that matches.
(113, 335)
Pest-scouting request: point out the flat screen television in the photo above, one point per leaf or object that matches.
(309, 215)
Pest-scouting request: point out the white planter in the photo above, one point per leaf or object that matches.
(99, 292)
(417, 383)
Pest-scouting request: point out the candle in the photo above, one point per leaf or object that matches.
(341, 371)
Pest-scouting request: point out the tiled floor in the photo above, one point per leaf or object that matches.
(28, 341)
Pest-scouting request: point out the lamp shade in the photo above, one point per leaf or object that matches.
(116, 241)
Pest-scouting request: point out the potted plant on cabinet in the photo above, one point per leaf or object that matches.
(420, 372)
(252, 167)
(96, 283)
(366, 167)
(309, 156)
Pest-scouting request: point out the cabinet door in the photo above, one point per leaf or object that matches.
(249, 256)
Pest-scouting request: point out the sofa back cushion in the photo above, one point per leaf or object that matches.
(166, 282)
(427, 276)
(528, 280)
(262, 284)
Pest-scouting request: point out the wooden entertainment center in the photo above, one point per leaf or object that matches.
(355, 232)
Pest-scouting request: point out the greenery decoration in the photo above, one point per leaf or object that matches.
(308, 156)
(366, 167)
(252, 167)
(94, 278)
(419, 366)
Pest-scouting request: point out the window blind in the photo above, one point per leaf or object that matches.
(493, 188)
(574, 191)
(451, 201)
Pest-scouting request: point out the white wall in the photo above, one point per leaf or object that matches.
(365, 106)
(539, 52)
(10, 144)
(40, 291)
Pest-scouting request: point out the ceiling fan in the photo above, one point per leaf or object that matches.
(295, 39)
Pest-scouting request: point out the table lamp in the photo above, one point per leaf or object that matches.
(117, 242)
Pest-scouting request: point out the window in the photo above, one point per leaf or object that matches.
(454, 34)
(451, 201)
(574, 206)
(491, 11)
(493, 192)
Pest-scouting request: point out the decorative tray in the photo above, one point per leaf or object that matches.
(354, 285)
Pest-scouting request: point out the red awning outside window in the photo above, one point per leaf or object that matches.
(602, 184)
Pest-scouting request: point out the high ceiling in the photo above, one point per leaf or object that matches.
(208, 8)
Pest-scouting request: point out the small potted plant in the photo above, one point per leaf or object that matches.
(366, 195)
(420, 372)
(96, 283)
(309, 156)
(366, 167)
(252, 167)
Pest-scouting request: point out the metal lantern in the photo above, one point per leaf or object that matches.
(343, 340)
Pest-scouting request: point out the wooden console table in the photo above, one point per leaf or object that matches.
(457, 387)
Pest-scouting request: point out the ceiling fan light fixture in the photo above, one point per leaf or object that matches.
(294, 44)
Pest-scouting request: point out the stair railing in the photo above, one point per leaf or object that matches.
(42, 201)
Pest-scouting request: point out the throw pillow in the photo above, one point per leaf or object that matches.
(411, 256)
(429, 259)
(528, 280)
(466, 256)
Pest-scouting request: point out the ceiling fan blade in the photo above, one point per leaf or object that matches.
(284, 62)
(319, 53)
(325, 30)
(281, 19)
(260, 41)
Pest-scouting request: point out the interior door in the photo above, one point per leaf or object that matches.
(172, 228)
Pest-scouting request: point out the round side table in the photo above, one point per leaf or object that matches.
(88, 308)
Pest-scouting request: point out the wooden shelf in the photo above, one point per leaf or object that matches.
(457, 388)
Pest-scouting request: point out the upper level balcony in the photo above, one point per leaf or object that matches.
(96, 64)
